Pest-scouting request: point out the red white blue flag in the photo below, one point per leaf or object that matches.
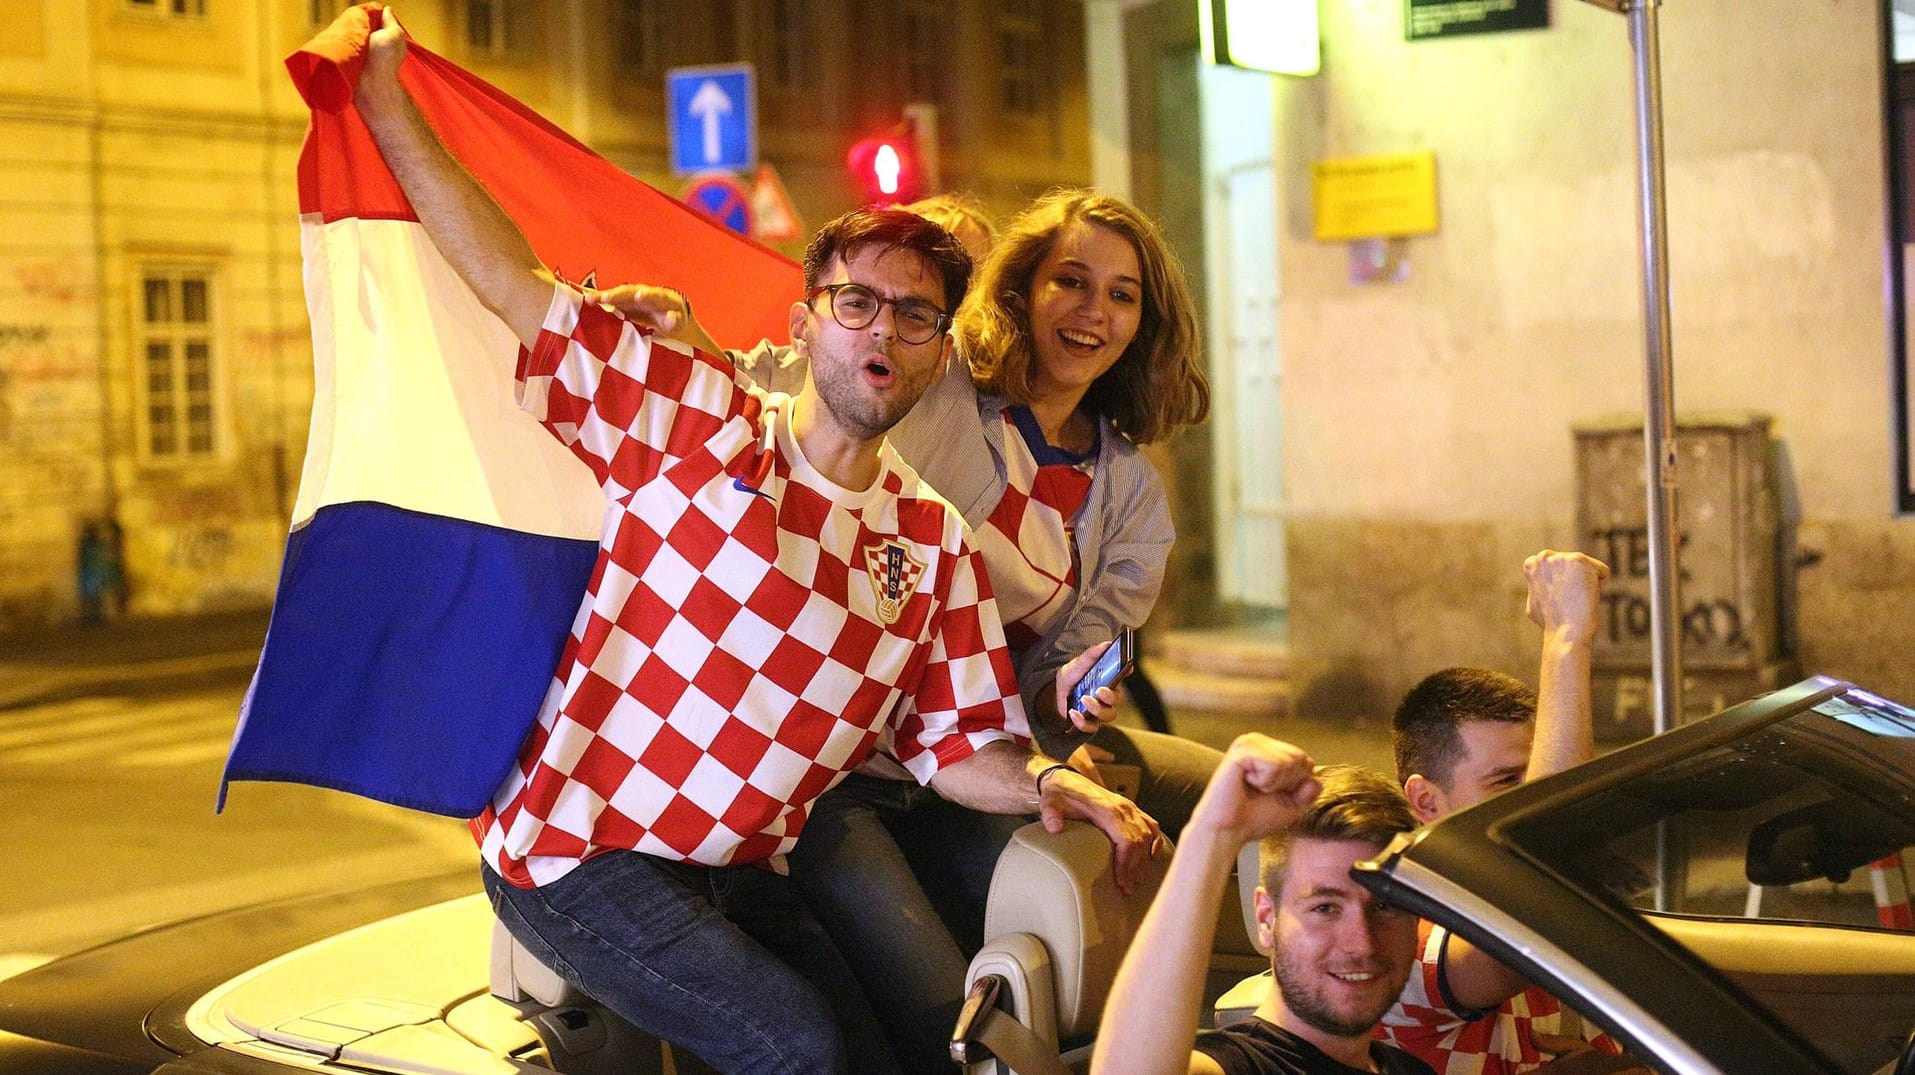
(442, 540)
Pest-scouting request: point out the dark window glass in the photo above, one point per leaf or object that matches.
(159, 300)
(786, 48)
(636, 31)
(193, 300)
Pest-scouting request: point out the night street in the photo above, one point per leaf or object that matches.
(702, 456)
(112, 741)
(120, 789)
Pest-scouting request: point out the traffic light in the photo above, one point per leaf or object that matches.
(900, 165)
(885, 168)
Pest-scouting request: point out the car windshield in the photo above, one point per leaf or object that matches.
(1776, 856)
(1806, 818)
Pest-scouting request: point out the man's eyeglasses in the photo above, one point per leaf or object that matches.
(854, 306)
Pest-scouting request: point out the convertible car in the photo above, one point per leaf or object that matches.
(1726, 898)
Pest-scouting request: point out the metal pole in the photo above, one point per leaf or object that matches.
(923, 117)
(1659, 421)
(1659, 424)
(1659, 418)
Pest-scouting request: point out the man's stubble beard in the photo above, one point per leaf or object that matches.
(864, 419)
(1308, 1004)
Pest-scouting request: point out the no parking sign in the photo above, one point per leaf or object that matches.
(723, 199)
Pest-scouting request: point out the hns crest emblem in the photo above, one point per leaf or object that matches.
(894, 576)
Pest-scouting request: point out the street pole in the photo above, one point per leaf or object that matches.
(923, 118)
(1659, 419)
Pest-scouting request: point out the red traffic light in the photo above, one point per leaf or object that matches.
(885, 169)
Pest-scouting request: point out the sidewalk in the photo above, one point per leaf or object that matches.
(131, 655)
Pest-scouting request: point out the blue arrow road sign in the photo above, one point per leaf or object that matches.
(714, 118)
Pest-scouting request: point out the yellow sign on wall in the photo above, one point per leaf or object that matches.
(1374, 197)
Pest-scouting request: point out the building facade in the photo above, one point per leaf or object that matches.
(1423, 419)
(155, 369)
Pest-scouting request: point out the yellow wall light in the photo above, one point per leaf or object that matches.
(1278, 36)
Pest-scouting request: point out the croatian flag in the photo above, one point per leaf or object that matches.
(442, 539)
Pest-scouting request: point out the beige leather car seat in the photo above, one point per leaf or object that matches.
(579, 1037)
(1055, 929)
(1241, 1000)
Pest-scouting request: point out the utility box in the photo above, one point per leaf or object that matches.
(1727, 520)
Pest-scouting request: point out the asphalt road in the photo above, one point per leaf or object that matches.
(111, 745)
(107, 783)
(109, 800)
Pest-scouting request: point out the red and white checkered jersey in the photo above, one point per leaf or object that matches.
(750, 627)
(1027, 541)
(1426, 1024)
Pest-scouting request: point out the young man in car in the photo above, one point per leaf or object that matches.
(775, 594)
(1340, 956)
(1461, 736)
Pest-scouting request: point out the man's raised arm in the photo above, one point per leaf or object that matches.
(473, 234)
(1150, 1017)
(1565, 591)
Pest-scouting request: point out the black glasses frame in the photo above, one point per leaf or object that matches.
(939, 325)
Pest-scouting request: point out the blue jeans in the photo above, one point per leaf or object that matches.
(724, 961)
(900, 877)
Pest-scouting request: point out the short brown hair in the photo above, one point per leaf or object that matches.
(1424, 735)
(1156, 386)
(1355, 804)
(893, 229)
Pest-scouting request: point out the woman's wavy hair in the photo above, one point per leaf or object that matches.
(1156, 386)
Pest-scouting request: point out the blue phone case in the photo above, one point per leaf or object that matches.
(1109, 670)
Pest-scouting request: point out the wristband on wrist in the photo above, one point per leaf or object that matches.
(1048, 770)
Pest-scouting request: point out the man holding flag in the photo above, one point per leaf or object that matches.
(775, 595)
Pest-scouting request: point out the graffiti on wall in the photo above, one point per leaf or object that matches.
(1713, 621)
(48, 380)
(1725, 553)
(188, 506)
(201, 549)
(51, 283)
(16, 337)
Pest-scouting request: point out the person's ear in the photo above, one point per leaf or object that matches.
(800, 316)
(1427, 801)
(1266, 914)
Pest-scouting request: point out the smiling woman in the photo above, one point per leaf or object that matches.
(1078, 260)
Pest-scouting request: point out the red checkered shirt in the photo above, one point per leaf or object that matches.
(1028, 540)
(1428, 1025)
(750, 629)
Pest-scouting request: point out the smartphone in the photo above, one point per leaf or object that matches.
(1110, 669)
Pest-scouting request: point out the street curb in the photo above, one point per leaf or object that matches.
(145, 682)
